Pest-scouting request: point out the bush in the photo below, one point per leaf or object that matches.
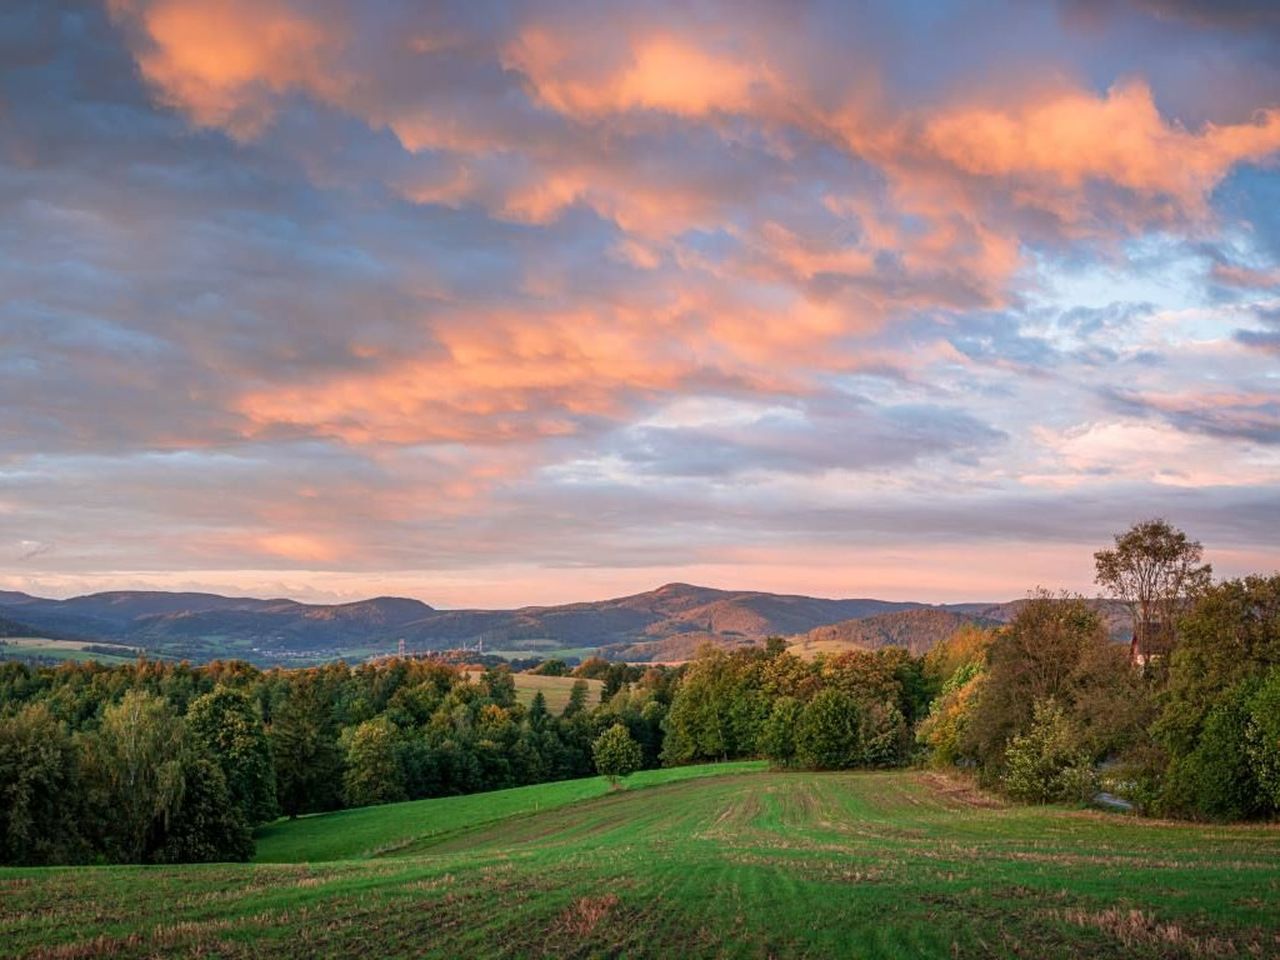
(1046, 764)
(1262, 738)
(1215, 779)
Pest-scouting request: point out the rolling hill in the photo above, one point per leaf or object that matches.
(666, 624)
(918, 630)
(642, 626)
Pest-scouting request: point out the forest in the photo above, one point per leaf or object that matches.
(157, 762)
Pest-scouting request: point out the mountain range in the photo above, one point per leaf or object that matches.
(668, 623)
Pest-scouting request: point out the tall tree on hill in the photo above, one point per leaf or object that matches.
(373, 772)
(137, 758)
(39, 789)
(308, 759)
(1154, 568)
(226, 723)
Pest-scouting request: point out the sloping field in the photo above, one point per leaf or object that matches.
(749, 864)
(556, 690)
(82, 650)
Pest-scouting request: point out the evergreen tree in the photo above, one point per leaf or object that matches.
(577, 699)
(308, 760)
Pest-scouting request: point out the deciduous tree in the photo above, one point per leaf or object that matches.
(616, 754)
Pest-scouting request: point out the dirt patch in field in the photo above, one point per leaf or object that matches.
(582, 916)
(1137, 929)
(959, 793)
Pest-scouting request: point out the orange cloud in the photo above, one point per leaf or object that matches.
(496, 379)
(660, 71)
(220, 62)
(1068, 139)
(303, 548)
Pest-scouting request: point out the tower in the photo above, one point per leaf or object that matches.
(402, 648)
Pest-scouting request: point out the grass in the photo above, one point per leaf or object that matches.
(808, 649)
(547, 650)
(555, 689)
(400, 828)
(19, 647)
(745, 864)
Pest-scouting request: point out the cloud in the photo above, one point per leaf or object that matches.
(823, 433)
(1228, 413)
(1268, 338)
(228, 64)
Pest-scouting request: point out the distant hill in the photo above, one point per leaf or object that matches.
(12, 628)
(669, 623)
(1114, 614)
(918, 630)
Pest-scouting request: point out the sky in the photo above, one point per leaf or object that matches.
(503, 303)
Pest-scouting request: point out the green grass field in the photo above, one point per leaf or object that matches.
(554, 689)
(746, 863)
(20, 647)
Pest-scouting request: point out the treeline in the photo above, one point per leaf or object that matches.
(849, 710)
(1048, 709)
(160, 762)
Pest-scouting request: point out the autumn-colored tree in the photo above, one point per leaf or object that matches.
(1055, 649)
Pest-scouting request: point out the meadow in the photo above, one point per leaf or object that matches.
(82, 651)
(555, 690)
(712, 861)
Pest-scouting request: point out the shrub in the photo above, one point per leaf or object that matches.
(1046, 764)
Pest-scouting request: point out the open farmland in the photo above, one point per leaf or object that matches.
(749, 863)
(80, 650)
(555, 689)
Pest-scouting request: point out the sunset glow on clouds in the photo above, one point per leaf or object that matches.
(506, 303)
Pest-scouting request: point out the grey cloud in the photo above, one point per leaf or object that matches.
(1253, 418)
(832, 432)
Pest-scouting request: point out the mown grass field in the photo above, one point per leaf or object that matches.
(746, 863)
(554, 689)
(19, 647)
